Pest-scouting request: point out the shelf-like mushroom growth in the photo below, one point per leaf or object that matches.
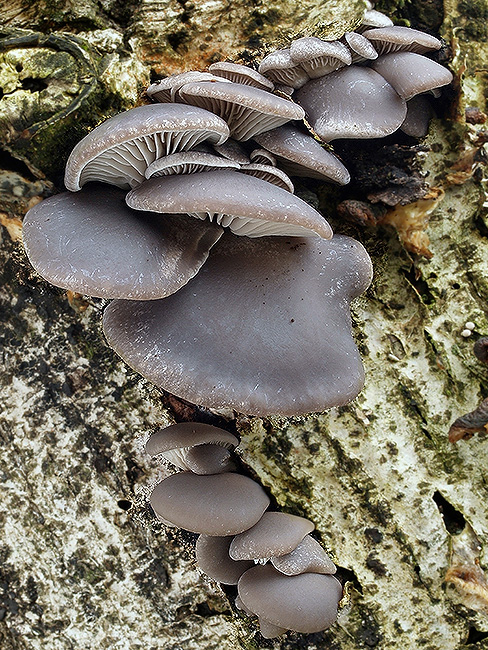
(292, 587)
(255, 319)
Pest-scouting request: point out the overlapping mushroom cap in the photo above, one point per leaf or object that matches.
(262, 317)
(91, 242)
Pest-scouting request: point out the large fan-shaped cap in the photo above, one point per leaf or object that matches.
(263, 328)
(304, 603)
(411, 74)
(247, 205)
(219, 504)
(301, 155)
(401, 39)
(354, 102)
(246, 109)
(91, 242)
(241, 74)
(119, 150)
(318, 57)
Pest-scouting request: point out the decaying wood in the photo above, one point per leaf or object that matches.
(403, 511)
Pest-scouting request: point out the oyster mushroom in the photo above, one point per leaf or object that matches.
(288, 326)
(353, 102)
(247, 205)
(217, 504)
(92, 243)
(119, 150)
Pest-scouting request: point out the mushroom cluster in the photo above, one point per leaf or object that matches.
(212, 153)
(283, 575)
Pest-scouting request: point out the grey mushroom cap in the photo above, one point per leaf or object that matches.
(188, 162)
(304, 603)
(411, 74)
(318, 57)
(270, 174)
(373, 18)
(354, 102)
(241, 74)
(307, 557)
(92, 243)
(398, 39)
(121, 148)
(194, 446)
(232, 150)
(289, 326)
(361, 48)
(270, 631)
(275, 534)
(247, 205)
(279, 67)
(212, 554)
(419, 114)
(209, 459)
(219, 504)
(246, 109)
(301, 155)
(262, 157)
(163, 91)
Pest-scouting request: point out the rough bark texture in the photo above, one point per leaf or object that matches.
(403, 511)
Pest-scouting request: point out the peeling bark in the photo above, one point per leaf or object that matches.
(402, 511)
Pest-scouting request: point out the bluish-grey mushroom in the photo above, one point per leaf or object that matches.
(120, 150)
(307, 557)
(304, 603)
(92, 243)
(401, 39)
(318, 57)
(354, 102)
(213, 558)
(188, 162)
(279, 67)
(241, 74)
(245, 204)
(289, 326)
(218, 504)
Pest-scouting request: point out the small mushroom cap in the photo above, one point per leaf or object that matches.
(247, 205)
(373, 18)
(419, 114)
(301, 155)
(411, 74)
(241, 74)
(275, 534)
(361, 48)
(213, 558)
(318, 57)
(397, 39)
(262, 157)
(163, 91)
(208, 459)
(279, 67)
(92, 243)
(189, 434)
(246, 109)
(307, 557)
(304, 603)
(194, 446)
(219, 504)
(188, 162)
(269, 174)
(272, 315)
(354, 102)
(119, 150)
(232, 150)
(270, 631)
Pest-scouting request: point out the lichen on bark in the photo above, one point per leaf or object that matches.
(402, 511)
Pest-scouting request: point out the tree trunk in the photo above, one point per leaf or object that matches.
(402, 510)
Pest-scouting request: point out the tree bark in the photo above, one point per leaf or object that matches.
(403, 511)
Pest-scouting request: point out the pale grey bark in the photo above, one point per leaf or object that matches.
(403, 512)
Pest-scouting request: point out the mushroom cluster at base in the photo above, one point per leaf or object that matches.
(283, 575)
